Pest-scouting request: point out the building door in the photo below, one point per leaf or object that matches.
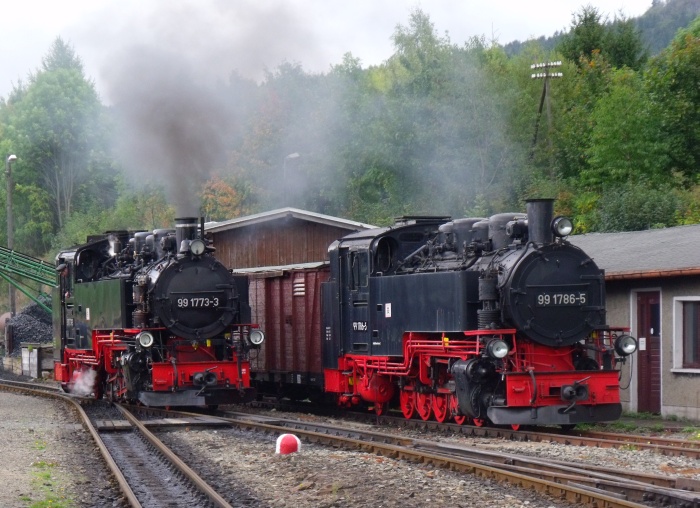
(649, 353)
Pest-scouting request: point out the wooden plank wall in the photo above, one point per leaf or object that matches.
(278, 242)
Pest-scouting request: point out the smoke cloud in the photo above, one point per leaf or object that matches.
(163, 74)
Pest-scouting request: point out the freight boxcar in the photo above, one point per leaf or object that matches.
(285, 301)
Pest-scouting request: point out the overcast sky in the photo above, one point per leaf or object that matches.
(251, 35)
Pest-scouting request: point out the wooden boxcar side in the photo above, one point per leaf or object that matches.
(286, 302)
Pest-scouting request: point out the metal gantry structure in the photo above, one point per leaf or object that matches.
(17, 268)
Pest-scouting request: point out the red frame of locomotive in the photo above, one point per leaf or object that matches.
(533, 374)
(166, 377)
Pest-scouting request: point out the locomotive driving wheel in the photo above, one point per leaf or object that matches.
(407, 400)
(116, 387)
(440, 406)
(454, 410)
(424, 405)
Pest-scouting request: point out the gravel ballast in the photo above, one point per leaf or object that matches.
(51, 461)
(44, 459)
(324, 477)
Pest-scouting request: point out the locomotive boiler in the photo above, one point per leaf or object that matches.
(153, 317)
(489, 320)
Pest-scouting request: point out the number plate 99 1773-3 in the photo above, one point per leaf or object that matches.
(197, 302)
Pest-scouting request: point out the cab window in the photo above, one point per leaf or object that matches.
(359, 269)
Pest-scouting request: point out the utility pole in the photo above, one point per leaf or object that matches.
(544, 100)
(10, 221)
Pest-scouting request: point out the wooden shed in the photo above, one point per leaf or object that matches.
(281, 237)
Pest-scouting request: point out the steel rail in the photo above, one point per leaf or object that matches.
(638, 487)
(664, 446)
(87, 424)
(683, 444)
(202, 485)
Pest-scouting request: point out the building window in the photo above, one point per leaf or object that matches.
(686, 334)
(691, 335)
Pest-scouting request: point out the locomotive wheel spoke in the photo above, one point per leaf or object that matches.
(424, 405)
(479, 422)
(440, 406)
(408, 403)
(515, 426)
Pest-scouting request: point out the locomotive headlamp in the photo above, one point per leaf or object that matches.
(256, 337)
(197, 247)
(562, 226)
(146, 339)
(625, 345)
(497, 349)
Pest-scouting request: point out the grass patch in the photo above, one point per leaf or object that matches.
(693, 431)
(44, 485)
(623, 426)
(657, 427)
(641, 416)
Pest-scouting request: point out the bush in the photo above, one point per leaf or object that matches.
(638, 206)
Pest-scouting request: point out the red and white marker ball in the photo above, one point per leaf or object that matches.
(288, 443)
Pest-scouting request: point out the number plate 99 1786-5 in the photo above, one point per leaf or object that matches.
(561, 299)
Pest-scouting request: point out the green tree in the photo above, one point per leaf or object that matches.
(56, 129)
(673, 81)
(625, 146)
(636, 206)
(624, 44)
(579, 92)
(620, 41)
(587, 34)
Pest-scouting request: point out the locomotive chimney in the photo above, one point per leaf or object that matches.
(540, 213)
(185, 229)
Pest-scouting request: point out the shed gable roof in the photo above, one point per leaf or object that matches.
(281, 213)
(643, 254)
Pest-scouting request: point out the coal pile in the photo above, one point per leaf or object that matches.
(32, 324)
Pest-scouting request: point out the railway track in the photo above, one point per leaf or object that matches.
(147, 471)
(596, 439)
(581, 484)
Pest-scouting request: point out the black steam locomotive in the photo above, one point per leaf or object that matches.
(153, 317)
(496, 320)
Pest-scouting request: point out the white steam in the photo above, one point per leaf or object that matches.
(85, 384)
